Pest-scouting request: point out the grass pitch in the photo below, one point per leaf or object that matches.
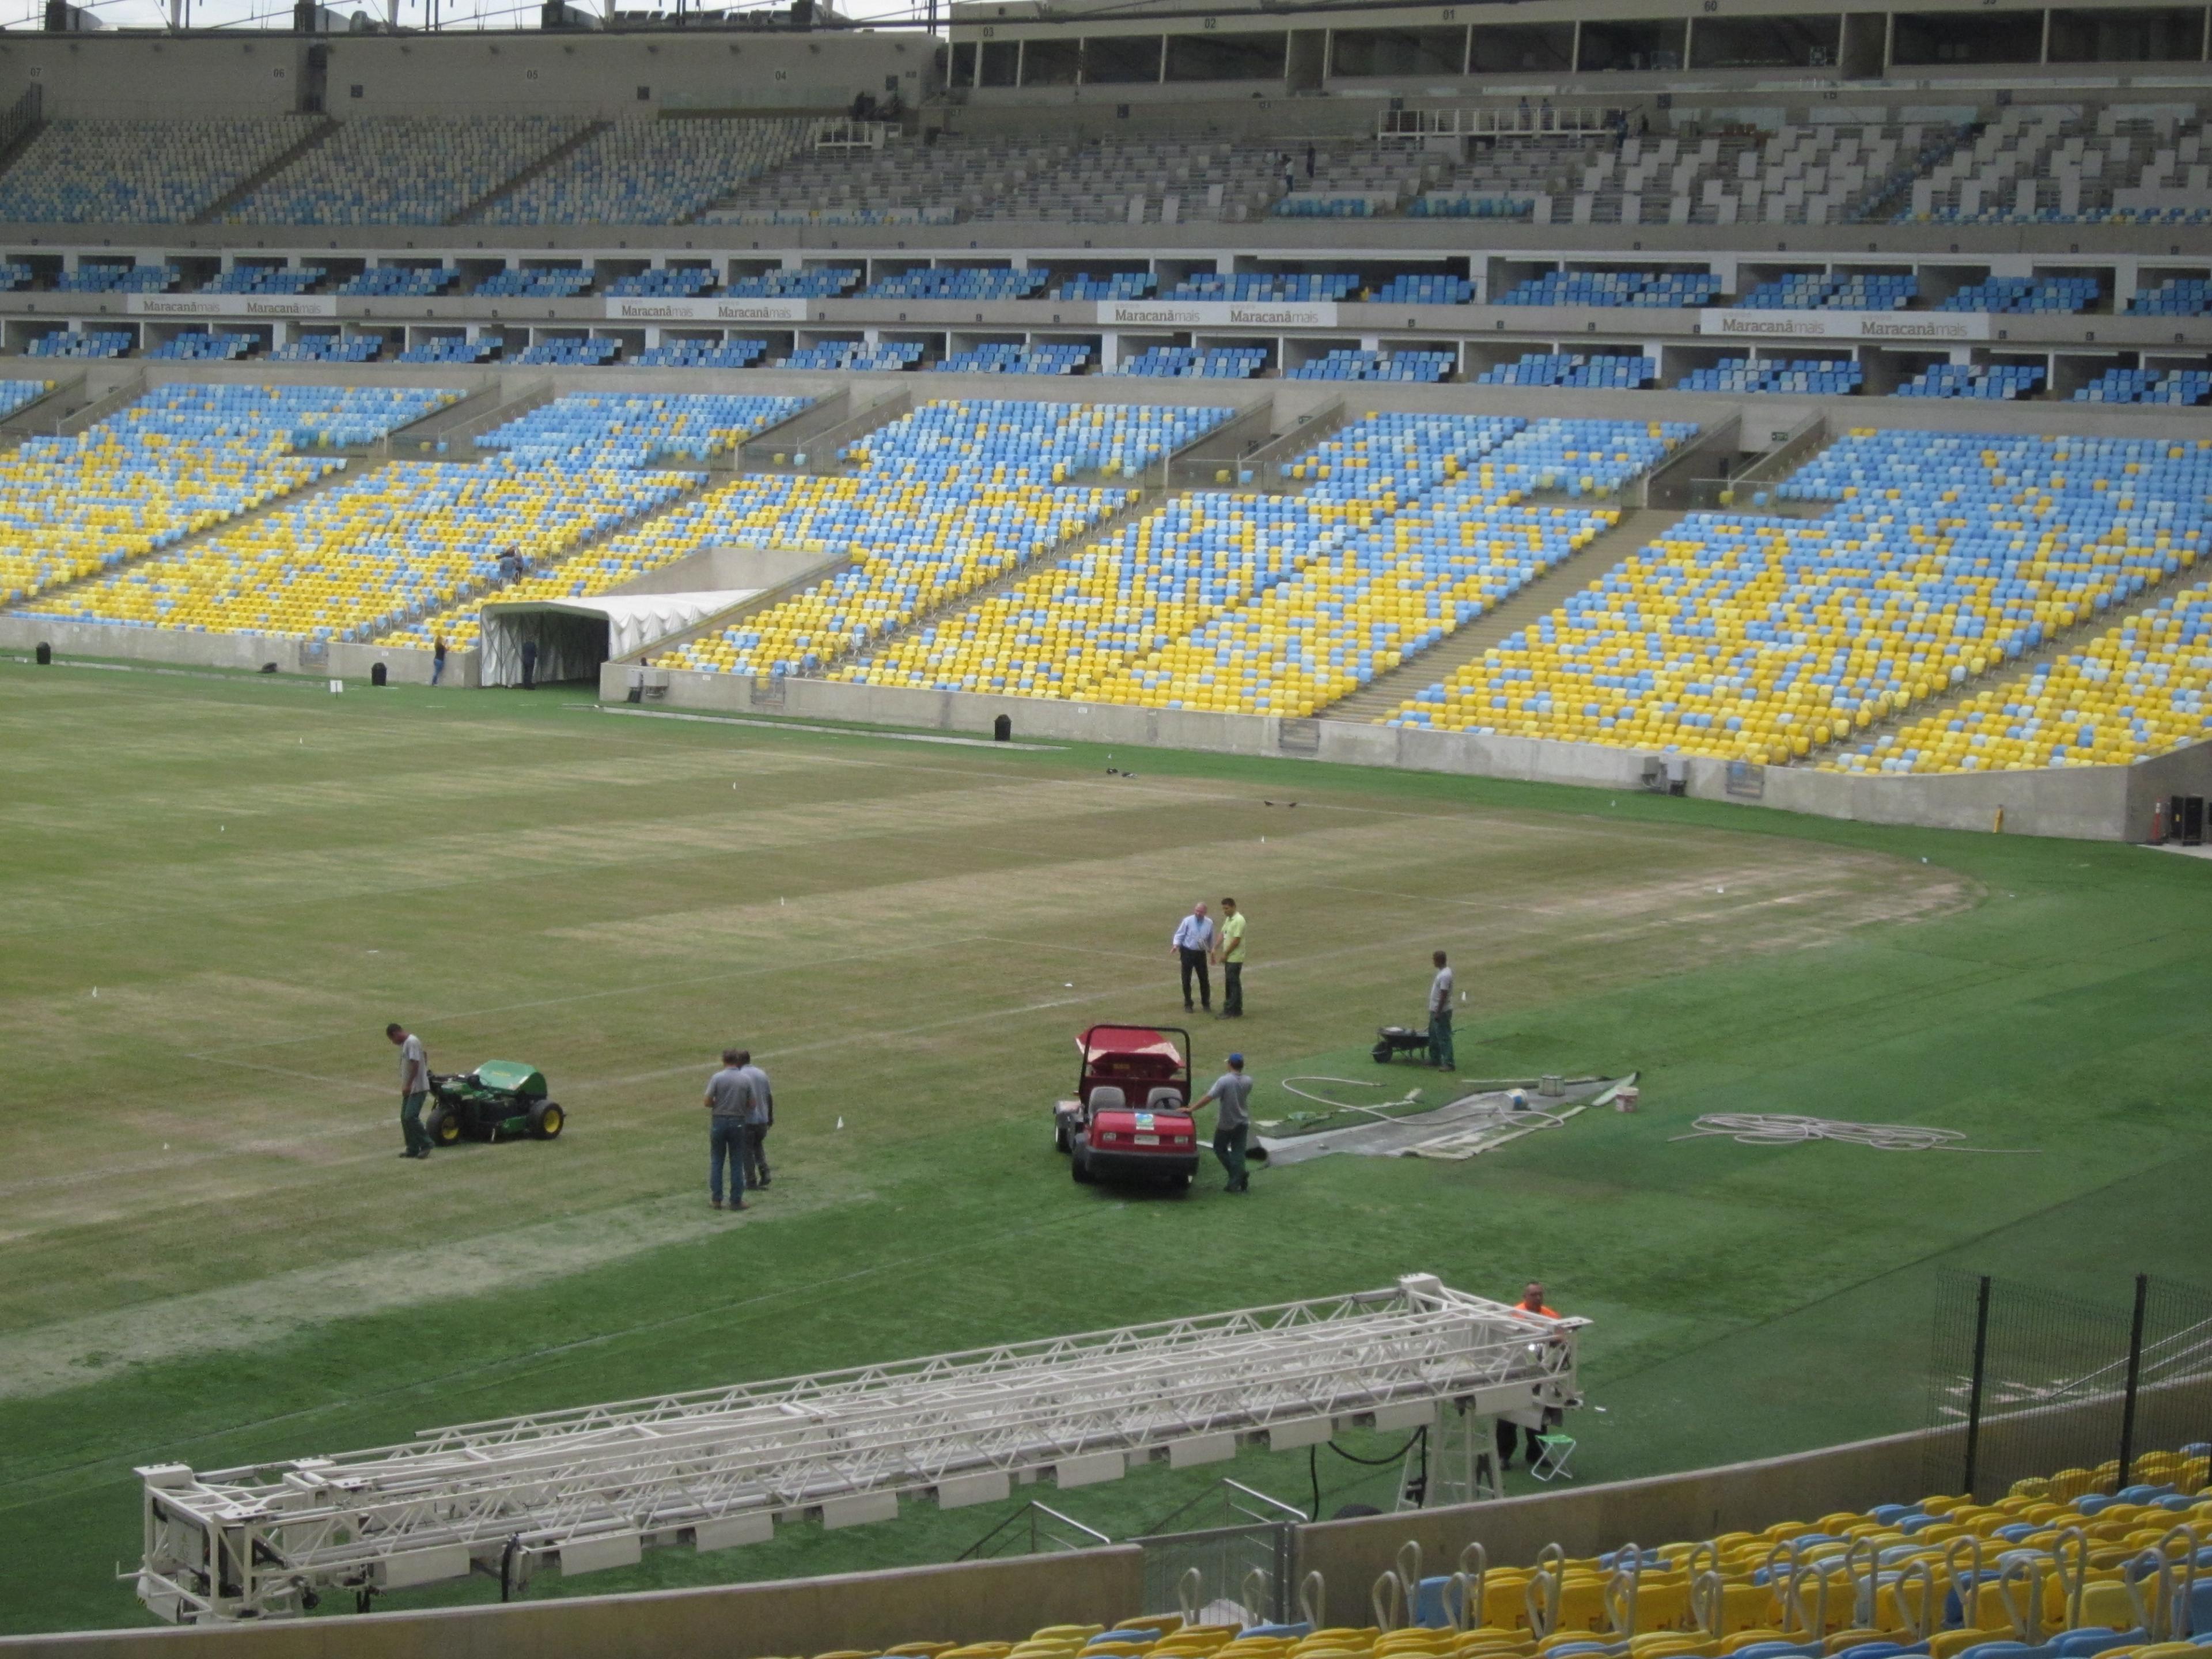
(210, 1253)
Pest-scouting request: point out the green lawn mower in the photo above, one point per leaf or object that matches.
(500, 1100)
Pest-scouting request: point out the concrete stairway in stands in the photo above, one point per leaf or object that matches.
(1379, 696)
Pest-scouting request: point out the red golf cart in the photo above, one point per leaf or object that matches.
(1130, 1119)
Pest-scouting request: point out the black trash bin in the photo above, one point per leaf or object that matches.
(1002, 728)
(376, 674)
(2192, 820)
(45, 654)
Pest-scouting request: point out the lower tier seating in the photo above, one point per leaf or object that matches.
(1943, 556)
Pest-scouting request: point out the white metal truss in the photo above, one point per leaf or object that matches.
(592, 1486)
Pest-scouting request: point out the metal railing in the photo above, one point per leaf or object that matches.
(1038, 1529)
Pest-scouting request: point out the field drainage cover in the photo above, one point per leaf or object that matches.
(1466, 1127)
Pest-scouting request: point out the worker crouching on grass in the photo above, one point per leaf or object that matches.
(414, 1088)
(1231, 1093)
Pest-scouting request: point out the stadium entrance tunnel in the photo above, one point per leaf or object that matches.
(575, 637)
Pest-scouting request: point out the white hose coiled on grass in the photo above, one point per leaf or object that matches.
(1788, 1129)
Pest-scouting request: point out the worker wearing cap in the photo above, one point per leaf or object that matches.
(1532, 1423)
(1231, 1093)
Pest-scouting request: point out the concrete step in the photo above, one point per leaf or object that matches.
(552, 158)
(213, 212)
(1376, 699)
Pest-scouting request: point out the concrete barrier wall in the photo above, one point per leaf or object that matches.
(2102, 803)
(978, 1600)
(248, 652)
(1349, 1555)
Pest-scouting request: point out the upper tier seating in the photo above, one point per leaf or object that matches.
(648, 173)
(1820, 376)
(2044, 164)
(1197, 363)
(558, 281)
(181, 458)
(402, 170)
(572, 351)
(1280, 603)
(450, 349)
(158, 172)
(964, 282)
(1250, 286)
(389, 280)
(1617, 372)
(2180, 296)
(1009, 359)
(1424, 289)
(1118, 285)
(251, 278)
(811, 282)
(1812, 291)
(701, 353)
(81, 343)
(2139, 688)
(2148, 386)
(665, 282)
(330, 348)
(1345, 364)
(96, 276)
(2003, 381)
(856, 356)
(1943, 553)
(2063, 295)
(202, 346)
(1667, 289)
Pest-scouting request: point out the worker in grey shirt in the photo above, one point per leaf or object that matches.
(1440, 1018)
(1231, 1093)
(729, 1102)
(758, 1121)
(414, 1087)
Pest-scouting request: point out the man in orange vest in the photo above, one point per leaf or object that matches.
(1531, 1424)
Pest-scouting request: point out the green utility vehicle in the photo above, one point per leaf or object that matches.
(498, 1101)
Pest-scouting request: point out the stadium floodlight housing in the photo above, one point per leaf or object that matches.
(594, 1486)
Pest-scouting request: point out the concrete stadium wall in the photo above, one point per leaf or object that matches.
(2106, 803)
(1586, 1520)
(978, 1600)
(569, 74)
(247, 651)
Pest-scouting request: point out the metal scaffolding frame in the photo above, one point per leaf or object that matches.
(594, 1486)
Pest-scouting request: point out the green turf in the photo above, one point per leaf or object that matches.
(213, 1255)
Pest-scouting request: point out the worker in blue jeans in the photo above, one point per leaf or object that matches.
(729, 1102)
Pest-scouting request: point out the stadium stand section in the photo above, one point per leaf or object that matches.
(2138, 690)
(402, 170)
(412, 537)
(179, 461)
(1939, 558)
(648, 173)
(144, 172)
(1282, 604)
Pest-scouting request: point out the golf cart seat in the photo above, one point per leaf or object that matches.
(1164, 1099)
(1105, 1097)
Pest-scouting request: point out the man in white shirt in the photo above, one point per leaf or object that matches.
(1193, 939)
(414, 1087)
(1440, 1018)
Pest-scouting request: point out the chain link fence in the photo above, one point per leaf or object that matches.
(2024, 1381)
